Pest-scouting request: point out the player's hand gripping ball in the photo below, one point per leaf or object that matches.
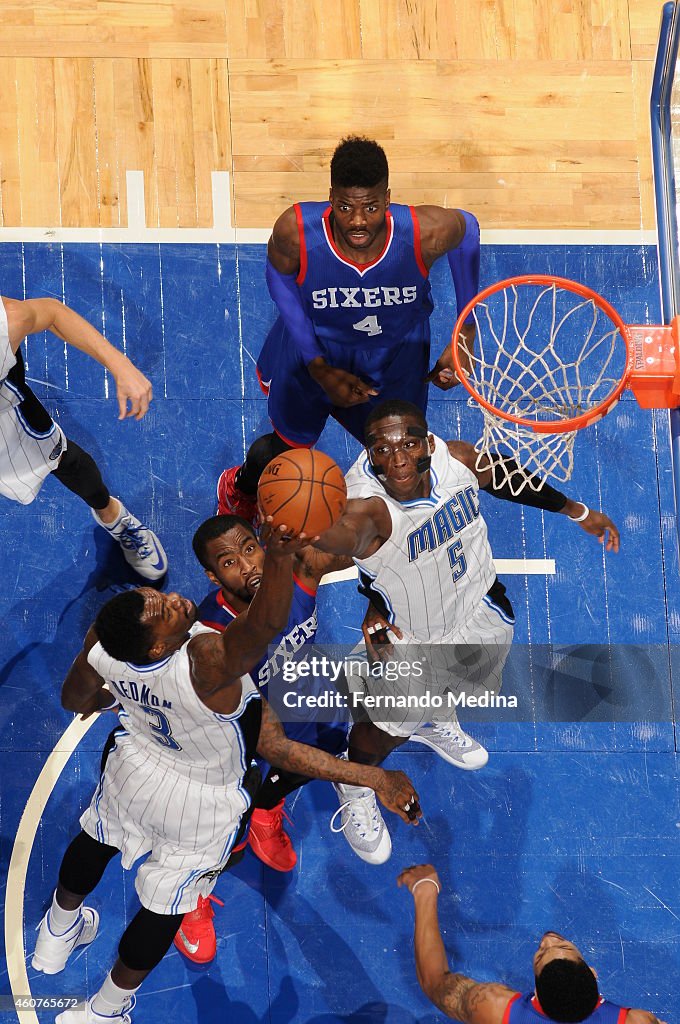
(303, 489)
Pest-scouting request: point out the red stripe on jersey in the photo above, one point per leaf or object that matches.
(302, 273)
(263, 387)
(302, 586)
(222, 601)
(622, 1015)
(293, 444)
(361, 267)
(219, 626)
(416, 242)
(506, 1015)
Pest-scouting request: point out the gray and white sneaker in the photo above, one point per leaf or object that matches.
(84, 1013)
(452, 744)
(362, 822)
(141, 547)
(52, 951)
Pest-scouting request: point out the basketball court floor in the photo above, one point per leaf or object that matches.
(116, 119)
(572, 826)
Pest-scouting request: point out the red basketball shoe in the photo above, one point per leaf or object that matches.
(196, 938)
(269, 842)
(233, 502)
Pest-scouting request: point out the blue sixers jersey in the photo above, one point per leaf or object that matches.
(526, 1010)
(371, 306)
(330, 736)
(215, 611)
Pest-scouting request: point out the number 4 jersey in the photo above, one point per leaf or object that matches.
(436, 567)
(372, 321)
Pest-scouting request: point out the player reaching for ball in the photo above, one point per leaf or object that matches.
(304, 488)
(178, 783)
(414, 528)
(228, 550)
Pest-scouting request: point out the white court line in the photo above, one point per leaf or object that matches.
(223, 232)
(21, 852)
(505, 566)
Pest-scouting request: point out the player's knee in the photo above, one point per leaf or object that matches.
(147, 939)
(84, 864)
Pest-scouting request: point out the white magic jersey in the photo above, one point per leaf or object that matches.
(437, 565)
(8, 396)
(168, 723)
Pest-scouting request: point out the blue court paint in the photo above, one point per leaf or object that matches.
(574, 823)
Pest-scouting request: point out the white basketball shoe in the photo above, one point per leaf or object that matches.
(452, 744)
(361, 822)
(141, 547)
(84, 1014)
(52, 951)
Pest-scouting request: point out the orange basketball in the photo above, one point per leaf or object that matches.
(302, 489)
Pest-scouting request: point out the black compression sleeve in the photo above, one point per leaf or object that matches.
(548, 498)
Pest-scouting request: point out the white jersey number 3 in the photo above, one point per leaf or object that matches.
(369, 324)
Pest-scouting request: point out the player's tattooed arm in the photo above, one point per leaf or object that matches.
(394, 789)
(456, 995)
(360, 531)
(84, 690)
(312, 565)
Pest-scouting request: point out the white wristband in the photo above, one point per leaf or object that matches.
(416, 884)
(580, 519)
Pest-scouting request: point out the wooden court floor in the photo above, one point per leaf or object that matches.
(531, 113)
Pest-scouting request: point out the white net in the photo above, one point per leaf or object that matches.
(546, 354)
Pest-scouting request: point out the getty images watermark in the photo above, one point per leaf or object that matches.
(324, 684)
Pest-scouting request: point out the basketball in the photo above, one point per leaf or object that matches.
(302, 489)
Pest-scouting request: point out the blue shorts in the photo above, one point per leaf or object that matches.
(298, 408)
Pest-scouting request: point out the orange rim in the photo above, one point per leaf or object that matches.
(554, 426)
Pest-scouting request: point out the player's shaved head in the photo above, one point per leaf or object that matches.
(358, 162)
(567, 990)
(211, 529)
(393, 407)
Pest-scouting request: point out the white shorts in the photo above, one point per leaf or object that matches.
(26, 455)
(468, 662)
(187, 828)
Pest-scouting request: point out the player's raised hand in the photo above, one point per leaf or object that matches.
(409, 877)
(132, 388)
(281, 541)
(343, 388)
(397, 793)
(444, 374)
(376, 629)
(600, 525)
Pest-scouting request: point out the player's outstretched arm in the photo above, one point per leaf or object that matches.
(459, 997)
(360, 531)
(394, 789)
(34, 315)
(598, 524)
(217, 660)
(84, 691)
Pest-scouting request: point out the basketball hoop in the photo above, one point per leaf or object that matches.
(552, 357)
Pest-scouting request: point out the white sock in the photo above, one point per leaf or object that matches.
(61, 920)
(114, 522)
(111, 999)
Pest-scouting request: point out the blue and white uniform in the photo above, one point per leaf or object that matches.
(435, 578)
(371, 320)
(215, 611)
(173, 785)
(525, 1009)
(31, 443)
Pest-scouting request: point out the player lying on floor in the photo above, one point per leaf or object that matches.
(565, 988)
(414, 528)
(178, 784)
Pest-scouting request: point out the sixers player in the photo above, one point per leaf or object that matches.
(414, 528)
(565, 987)
(350, 279)
(228, 550)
